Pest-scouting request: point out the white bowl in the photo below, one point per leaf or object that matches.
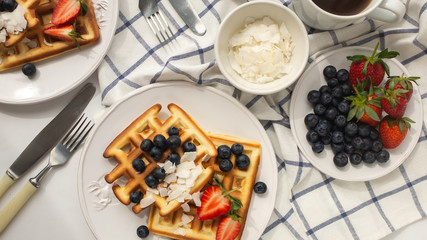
(234, 22)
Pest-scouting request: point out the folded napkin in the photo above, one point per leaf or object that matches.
(309, 204)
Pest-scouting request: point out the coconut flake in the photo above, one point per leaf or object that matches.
(188, 157)
(180, 231)
(185, 207)
(196, 199)
(147, 200)
(185, 219)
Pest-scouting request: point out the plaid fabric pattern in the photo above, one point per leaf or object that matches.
(309, 204)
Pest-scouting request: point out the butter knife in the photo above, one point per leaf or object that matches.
(48, 137)
(189, 15)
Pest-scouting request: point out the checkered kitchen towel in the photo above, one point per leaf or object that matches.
(309, 204)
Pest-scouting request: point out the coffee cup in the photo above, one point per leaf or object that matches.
(335, 14)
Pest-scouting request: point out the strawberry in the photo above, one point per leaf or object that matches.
(371, 68)
(402, 83)
(394, 101)
(365, 105)
(393, 131)
(217, 201)
(67, 10)
(64, 32)
(228, 228)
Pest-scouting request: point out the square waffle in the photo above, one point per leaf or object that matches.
(203, 230)
(126, 147)
(16, 52)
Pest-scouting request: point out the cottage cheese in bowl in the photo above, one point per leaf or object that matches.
(261, 51)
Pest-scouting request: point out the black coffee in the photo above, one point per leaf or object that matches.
(343, 7)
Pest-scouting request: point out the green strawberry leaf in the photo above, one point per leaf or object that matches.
(351, 114)
(371, 113)
(356, 58)
(84, 7)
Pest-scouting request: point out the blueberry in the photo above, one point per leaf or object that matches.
(336, 101)
(331, 113)
(347, 90)
(260, 187)
(224, 151)
(189, 147)
(160, 141)
(319, 109)
(159, 173)
(325, 89)
(326, 140)
(343, 107)
(343, 75)
(312, 136)
(340, 121)
(318, 147)
(329, 71)
(172, 131)
(225, 165)
(9, 5)
(383, 156)
(337, 147)
(355, 158)
(363, 129)
(156, 153)
(350, 129)
(237, 148)
(340, 159)
(174, 158)
(29, 69)
(326, 98)
(332, 82)
(146, 145)
(337, 92)
(135, 196)
(242, 161)
(173, 142)
(367, 144)
(151, 181)
(349, 148)
(358, 143)
(374, 134)
(348, 139)
(369, 157)
(337, 137)
(138, 165)
(377, 146)
(311, 120)
(313, 96)
(322, 129)
(142, 231)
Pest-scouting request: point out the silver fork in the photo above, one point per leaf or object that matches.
(59, 155)
(155, 19)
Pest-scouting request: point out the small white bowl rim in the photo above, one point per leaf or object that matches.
(264, 91)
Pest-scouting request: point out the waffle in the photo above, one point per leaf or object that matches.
(16, 52)
(125, 148)
(201, 230)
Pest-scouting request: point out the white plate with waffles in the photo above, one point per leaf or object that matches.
(300, 107)
(60, 74)
(213, 110)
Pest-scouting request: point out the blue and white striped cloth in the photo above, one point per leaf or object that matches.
(309, 204)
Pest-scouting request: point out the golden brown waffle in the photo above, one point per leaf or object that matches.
(20, 52)
(203, 230)
(125, 148)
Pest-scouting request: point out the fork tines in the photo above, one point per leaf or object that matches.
(159, 26)
(77, 133)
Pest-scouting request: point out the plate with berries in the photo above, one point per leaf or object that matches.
(215, 112)
(355, 113)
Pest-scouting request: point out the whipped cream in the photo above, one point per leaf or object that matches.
(12, 22)
(261, 51)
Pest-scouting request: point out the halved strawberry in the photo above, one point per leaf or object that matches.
(67, 10)
(228, 228)
(217, 201)
(64, 32)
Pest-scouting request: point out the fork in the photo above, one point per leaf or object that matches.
(155, 19)
(59, 155)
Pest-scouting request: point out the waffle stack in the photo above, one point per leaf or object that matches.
(166, 217)
(32, 45)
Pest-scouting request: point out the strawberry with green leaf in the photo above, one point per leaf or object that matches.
(394, 102)
(401, 82)
(371, 68)
(64, 32)
(365, 106)
(393, 131)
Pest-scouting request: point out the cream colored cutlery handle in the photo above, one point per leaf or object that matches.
(5, 183)
(13, 207)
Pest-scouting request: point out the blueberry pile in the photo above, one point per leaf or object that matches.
(349, 140)
(8, 5)
(224, 154)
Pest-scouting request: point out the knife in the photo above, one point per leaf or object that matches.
(48, 137)
(189, 15)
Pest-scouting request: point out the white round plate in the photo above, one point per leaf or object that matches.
(214, 111)
(300, 107)
(60, 74)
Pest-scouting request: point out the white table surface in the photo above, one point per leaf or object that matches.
(54, 210)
